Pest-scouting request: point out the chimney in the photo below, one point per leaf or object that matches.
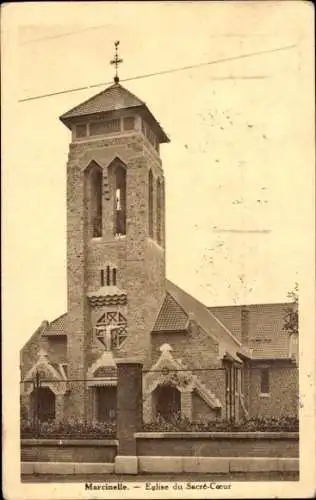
(245, 325)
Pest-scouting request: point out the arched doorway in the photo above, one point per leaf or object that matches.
(43, 404)
(168, 401)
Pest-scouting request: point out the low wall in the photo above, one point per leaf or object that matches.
(216, 465)
(170, 465)
(218, 444)
(68, 450)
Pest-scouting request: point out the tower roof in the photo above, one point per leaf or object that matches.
(112, 99)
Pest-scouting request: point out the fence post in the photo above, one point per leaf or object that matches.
(129, 414)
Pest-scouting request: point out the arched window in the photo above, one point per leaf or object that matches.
(95, 177)
(150, 204)
(120, 200)
(158, 211)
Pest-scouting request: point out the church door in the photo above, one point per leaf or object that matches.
(43, 402)
(168, 401)
(105, 403)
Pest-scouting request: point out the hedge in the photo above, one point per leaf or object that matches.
(68, 429)
(259, 424)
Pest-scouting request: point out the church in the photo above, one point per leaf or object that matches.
(201, 361)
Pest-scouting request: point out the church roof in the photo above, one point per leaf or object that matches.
(267, 338)
(113, 98)
(56, 327)
(177, 309)
(171, 316)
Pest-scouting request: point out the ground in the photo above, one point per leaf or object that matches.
(237, 476)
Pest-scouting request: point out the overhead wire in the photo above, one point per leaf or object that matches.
(164, 72)
(60, 35)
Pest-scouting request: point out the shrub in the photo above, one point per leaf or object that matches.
(68, 429)
(178, 423)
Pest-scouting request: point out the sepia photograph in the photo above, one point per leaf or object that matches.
(158, 249)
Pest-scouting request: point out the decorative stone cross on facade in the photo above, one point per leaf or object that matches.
(116, 61)
(105, 336)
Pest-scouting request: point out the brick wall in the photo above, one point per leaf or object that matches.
(197, 351)
(84, 451)
(201, 412)
(29, 352)
(284, 390)
(218, 446)
(140, 263)
(77, 318)
(56, 348)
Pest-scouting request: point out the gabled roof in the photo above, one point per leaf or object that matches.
(113, 98)
(177, 309)
(56, 327)
(267, 338)
(171, 317)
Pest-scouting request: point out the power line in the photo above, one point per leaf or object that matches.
(164, 371)
(60, 35)
(91, 28)
(169, 71)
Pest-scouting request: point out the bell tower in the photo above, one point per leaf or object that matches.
(115, 229)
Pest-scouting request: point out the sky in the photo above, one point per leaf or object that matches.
(239, 168)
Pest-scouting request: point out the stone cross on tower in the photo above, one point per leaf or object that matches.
(116, 61)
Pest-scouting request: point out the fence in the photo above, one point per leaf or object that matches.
(46, 403)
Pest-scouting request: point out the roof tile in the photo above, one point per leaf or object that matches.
(267, 337)
(177, 308)
(56, 327)
(171, 316)
(112, 98)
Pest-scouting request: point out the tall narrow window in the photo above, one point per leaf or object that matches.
(265, 382)
(150, 205)
(96, 201)
(120, 200)
(108, 276)
(158, 211)
(114, 276)
(102, 277)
